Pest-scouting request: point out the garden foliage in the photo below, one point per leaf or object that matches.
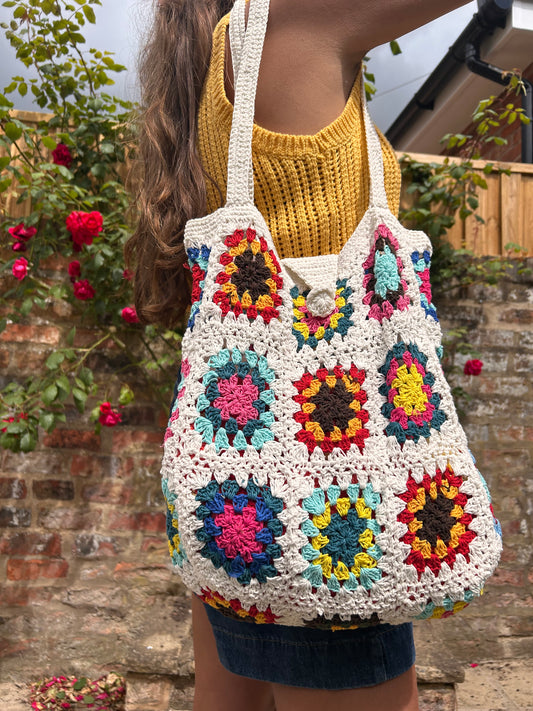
(66, 253)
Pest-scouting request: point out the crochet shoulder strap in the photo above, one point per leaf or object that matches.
(247, 47)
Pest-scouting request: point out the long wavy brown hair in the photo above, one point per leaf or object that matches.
(168, 172)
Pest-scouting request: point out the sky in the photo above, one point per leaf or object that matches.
(120, 25)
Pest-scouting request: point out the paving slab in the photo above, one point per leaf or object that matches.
(497, 686)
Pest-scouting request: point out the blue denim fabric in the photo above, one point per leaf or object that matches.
(313, 658)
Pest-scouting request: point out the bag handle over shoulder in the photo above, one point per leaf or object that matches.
(246, 49)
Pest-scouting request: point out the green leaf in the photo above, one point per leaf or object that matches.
(395, 47)
(126, 395)
(63, 383)
(89, 14)
(49, 142)
(47, 421)
(49, 394)
(80, 399)
(12, 131)
(26, 306)
(17, 427)
(71, 336)
(86, 376)
(28, 442)
(54, 360)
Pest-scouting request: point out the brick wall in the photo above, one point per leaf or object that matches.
(85, 578)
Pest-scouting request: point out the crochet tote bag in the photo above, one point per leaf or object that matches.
(314, 467)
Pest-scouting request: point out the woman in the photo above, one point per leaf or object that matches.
(312, 187)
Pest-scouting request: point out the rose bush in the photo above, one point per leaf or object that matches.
(72, 168)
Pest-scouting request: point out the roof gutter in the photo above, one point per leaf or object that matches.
(491, 14)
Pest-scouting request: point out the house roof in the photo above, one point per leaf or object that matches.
(503, 32)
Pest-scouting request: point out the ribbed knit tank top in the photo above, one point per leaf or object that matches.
(311, 189)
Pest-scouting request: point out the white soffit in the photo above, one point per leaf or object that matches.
(511, 48)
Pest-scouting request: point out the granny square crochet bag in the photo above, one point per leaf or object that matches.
(314, 467)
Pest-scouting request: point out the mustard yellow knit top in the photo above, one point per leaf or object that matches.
(311, 190)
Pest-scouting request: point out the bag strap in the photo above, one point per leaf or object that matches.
(378, 192)
(246, 49)
(237, 32)
(240, 171)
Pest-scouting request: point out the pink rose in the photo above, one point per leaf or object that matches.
(20, 268)
(83, 290)
(473, 367)
(21, 235)
(83, 227)
(62, 155)
(108, 416)
(74, 269)
(129, 314)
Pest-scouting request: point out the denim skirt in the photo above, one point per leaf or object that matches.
(313, 658)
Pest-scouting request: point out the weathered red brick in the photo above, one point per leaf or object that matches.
(519, 316)
(11, 488)
(21, 595)
(69, 519)
(11, 648)
(19, 333)
(48, 544)
(142, 521)
(153, 544)
(516, 433)
(505, 576)
(4, 359)
(94, 467)
(62, 489)
(91, 545)
(23, 569)
(13, 516)
(128, 440)
(112, 492)
(73, 439)
(42, 461)
(129, 467)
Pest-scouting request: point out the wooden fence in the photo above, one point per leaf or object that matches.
(506, 206)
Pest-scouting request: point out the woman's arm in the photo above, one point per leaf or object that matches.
(356, 26)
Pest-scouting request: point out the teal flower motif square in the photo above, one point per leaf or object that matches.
(341, 532)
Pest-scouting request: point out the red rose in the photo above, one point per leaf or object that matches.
(62, 155)
(20, 268)
(83, 290)
(129, 314)
(473, 367)
(74, 269)
(108, 416)
(127, 274)
(21, 235)
(83, 226)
